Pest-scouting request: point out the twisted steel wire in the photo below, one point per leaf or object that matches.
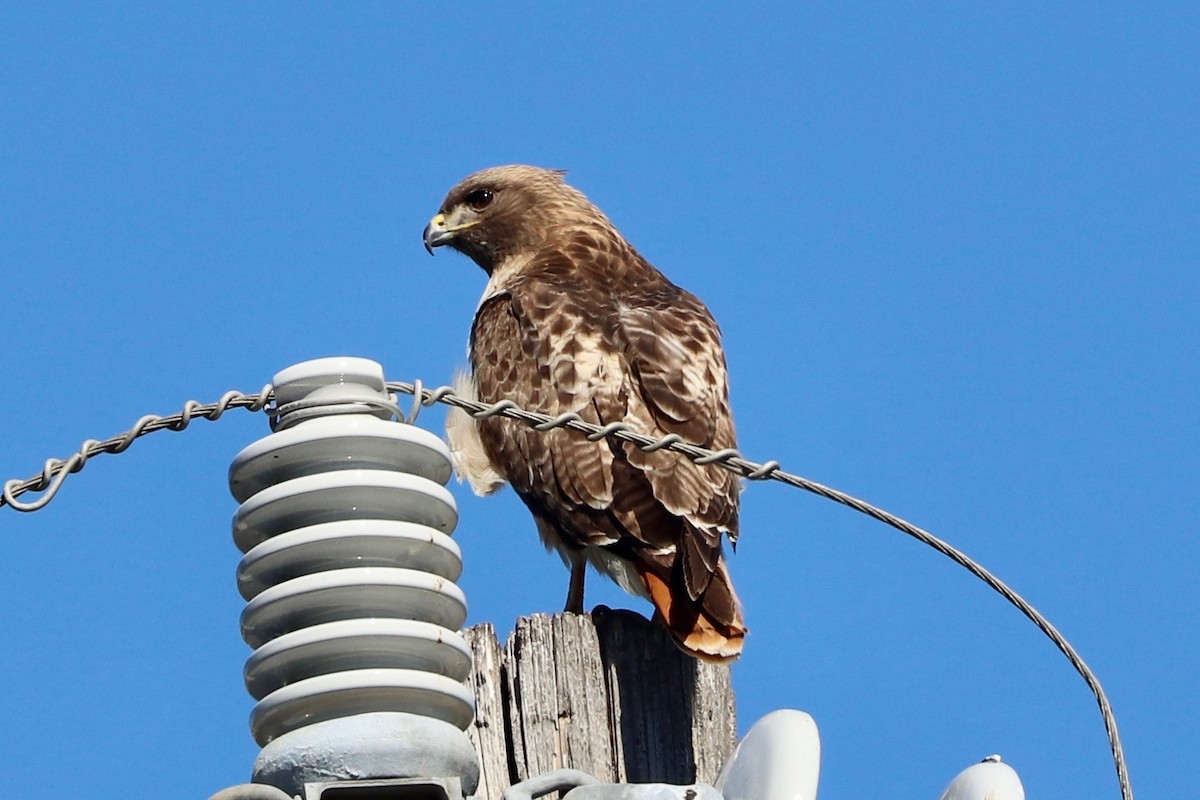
(733, 461)
(55, 471)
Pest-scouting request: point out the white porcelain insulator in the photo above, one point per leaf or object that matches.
(990, 779)
(349, 569)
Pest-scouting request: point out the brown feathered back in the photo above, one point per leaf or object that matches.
(574, 320)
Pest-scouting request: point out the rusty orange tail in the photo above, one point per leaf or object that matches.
(698, 630)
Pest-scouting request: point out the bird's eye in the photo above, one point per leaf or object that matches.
(480, 199)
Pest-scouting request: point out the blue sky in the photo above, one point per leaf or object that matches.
(953, 248)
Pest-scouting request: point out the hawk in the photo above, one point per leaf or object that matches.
(574, 319)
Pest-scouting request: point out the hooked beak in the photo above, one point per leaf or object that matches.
(436, 233)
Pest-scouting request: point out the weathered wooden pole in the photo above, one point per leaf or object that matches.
(606, 693)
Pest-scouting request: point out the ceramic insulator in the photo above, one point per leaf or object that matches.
(349, 570)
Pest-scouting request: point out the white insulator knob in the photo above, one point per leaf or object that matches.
(990, 779)
(779, 758)
(349, 572)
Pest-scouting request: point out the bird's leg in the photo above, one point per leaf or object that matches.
(575, 590)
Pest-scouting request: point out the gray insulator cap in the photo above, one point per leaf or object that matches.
(366, 746)
(251, 791)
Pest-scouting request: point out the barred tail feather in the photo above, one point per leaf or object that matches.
(696, 628)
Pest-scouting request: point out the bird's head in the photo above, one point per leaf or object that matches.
(503, 211)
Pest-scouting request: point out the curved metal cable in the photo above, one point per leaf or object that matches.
(54, 472)
(733, 461)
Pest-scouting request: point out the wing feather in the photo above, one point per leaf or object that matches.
(675, 350)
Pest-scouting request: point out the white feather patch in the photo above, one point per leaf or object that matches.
(618, 570)
(471, 463)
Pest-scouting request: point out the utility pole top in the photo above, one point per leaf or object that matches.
(606, 693)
